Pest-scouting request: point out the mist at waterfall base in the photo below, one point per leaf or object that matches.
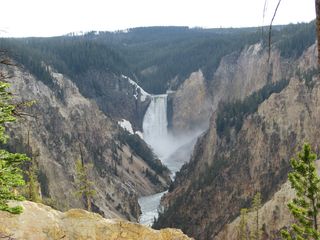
(155, 131)
(173, 151)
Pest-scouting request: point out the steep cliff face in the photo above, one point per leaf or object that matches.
(40, 222)
(241, 73)
(226, 171)
(66, 127)
(191, 105)
(274, 215)
(238, 75)
(116, 96)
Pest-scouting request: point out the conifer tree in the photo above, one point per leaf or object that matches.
(256, 205)
(305, 206)
(10, 172)
(83, 184)
(243, 225)
(33, 186)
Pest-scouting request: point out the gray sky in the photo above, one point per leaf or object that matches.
(57, 17)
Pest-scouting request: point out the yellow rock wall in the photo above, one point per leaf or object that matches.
(39, 222)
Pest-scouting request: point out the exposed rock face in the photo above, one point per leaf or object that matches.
(225, 172)
(40, 222)
(114, 95)
(68, 127)
(273, 215)
(238, 75)
(191, 106)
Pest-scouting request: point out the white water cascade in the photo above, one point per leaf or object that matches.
(155, 133)
(155, 123)
(167, 147)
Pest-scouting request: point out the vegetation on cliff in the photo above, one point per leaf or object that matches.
(232, 114)
(79, 58)
(85, 187)
(225, 171)
(10, 172)
(65, 129)
(153, 56)
(250, 228)
(140, 148)
(305, 207)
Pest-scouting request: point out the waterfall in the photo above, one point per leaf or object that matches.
(167, 147)
(155, 124)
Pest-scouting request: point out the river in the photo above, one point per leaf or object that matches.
(173, 151)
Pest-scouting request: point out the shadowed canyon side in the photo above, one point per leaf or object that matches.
(228, 168)
(67, 127)
(274, 215)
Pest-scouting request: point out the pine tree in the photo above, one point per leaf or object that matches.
(83, 184)
(33, 186)
(305, 206)
(10, 172)
(317, 4)
(243, 225)
(256, 205)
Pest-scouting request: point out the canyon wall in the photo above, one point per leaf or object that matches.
(226, 170)
(62, 127)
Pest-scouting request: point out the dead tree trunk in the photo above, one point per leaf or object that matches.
(318, 27)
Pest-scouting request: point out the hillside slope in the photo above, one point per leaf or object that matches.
(274, 215)
(227, 169)
(66, 127)
(238, 75)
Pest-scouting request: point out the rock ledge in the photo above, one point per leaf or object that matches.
(39, 222)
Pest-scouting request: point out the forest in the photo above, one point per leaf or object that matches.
(158, 58)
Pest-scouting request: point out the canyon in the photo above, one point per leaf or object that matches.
(64, 127)
(189, 131)
(227, 169)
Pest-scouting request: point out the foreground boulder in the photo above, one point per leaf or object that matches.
(39, 222)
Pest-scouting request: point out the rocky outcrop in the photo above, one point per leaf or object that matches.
(239, 74)
(273, 216)
(116, 96)
(66, 127)
(226, 171)
(191, 105)
(40, 222)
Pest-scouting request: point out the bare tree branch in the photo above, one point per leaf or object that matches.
(317, 5)
(6, 236)
(21, 106)
(263, 16)
(270, 29)
(6, 62)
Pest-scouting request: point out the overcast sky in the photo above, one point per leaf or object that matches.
(56, 17)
